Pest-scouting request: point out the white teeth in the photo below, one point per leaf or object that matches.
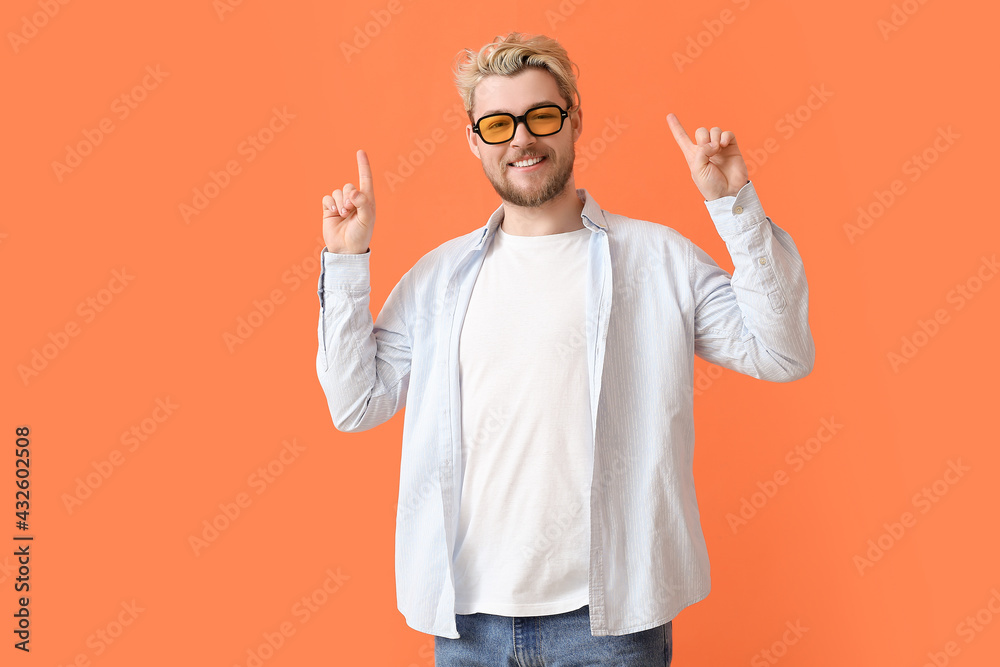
(527, 163)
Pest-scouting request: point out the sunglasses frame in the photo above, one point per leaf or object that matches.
(523, 118)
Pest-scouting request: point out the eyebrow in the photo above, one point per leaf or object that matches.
(532, 106)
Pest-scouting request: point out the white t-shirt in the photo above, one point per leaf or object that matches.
(523, 546)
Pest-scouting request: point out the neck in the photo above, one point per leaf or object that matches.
(560, 214)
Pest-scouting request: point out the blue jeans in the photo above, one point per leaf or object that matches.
(556, 640)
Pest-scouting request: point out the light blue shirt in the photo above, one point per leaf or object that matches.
(654, 300)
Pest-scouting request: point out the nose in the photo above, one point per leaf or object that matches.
(522, 137)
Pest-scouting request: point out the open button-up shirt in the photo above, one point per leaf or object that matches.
(654, 300)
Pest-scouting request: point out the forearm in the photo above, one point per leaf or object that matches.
(765, 315)
(363, 366)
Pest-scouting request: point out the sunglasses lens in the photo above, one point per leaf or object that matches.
(541, 122)
(546, 120)
(496, 129)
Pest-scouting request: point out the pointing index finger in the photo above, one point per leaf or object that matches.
(364, 173)
(680, 136)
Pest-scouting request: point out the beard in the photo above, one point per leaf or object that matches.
(535, 191)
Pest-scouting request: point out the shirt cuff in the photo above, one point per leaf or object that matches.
(736, 213)
(341, 270)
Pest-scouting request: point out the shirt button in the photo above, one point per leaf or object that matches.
(737, 210)
(762, 260)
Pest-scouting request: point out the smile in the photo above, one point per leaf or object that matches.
(524, 164)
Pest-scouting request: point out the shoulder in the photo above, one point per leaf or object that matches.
(628, 232)
(439, 261)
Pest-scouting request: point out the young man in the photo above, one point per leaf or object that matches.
(547, 508)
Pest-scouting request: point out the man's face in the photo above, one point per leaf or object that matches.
(535, 185)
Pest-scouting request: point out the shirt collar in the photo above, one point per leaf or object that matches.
(592, 215)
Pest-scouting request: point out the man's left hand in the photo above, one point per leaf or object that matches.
(716, 163)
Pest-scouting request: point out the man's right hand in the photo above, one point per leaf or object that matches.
(349, 215)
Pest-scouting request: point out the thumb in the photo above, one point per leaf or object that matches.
(366, 212)
(699, 157)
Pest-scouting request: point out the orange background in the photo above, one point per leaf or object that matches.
(162, 336)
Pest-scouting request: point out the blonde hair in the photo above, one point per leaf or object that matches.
(506, 56)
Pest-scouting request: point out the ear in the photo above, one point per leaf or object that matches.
(576, 121)
(473, 139)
